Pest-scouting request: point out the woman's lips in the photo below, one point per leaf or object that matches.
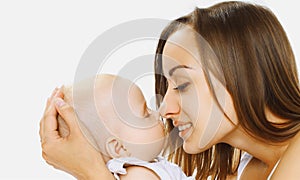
(184, 129)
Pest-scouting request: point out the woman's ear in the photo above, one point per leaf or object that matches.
(115, 148)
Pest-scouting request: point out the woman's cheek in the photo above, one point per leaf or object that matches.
(211, 125)
(203, 112)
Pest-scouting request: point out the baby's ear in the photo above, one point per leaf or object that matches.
(115, 148)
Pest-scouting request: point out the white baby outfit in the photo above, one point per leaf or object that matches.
(163, 168)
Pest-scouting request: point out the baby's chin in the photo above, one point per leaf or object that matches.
(147, 151)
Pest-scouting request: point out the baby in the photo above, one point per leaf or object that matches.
(113, 116)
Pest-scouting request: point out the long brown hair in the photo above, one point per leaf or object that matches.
(259, 68)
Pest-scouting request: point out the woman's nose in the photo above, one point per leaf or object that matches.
(170, 107)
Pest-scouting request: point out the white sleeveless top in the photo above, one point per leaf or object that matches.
(245, 159)
(163, 168)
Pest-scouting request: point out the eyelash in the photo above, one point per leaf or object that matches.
(181, 87)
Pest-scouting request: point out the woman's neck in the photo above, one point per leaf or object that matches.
(267, 153)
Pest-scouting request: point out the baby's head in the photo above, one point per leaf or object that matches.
(114, 117)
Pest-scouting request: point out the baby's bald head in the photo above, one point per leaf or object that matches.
(88, 97)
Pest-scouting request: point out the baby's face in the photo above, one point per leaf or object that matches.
(122, 106)
(133, 112)
(109, 106)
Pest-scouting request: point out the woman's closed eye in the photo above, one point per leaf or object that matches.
(182, 87)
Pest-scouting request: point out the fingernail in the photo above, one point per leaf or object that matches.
(59, 102)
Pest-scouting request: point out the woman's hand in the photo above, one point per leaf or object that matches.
(72, 154)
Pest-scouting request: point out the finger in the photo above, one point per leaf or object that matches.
(48, 131)
(49, 122)
(50, 98)
(48, 102)
(59, 93)
(54, 92)
(41, 129)
(42, 119)
(52, 95)
(68, 114)
(49, 111)
(44, 156)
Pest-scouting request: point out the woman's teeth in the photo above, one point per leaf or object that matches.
(184, 127)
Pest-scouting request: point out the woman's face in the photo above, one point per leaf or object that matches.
(188, 100)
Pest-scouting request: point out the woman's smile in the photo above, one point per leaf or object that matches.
(183, 128)
(185, 131)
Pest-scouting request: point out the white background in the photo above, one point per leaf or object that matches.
(41, 44)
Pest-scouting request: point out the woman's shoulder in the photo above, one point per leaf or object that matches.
(288, 167)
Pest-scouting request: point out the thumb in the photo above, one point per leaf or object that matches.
(68, 114)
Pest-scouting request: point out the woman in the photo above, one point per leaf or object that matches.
(245, 48)
(229, 81)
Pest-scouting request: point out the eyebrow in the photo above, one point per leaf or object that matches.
(171, 72)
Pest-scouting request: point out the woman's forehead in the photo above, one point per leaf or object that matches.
(185, 38)
(181, 48)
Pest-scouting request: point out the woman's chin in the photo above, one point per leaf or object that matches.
(189, 148)
(192, 149)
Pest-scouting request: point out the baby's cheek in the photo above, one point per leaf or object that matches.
(155, 133)
(142, 135)
(146, 152)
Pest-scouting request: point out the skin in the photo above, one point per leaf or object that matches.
(91, 166)
(129, 119)
(144, 143)
(288, 168)
(117, 123)
(177, 108)
(182, 105)
(60, 151)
